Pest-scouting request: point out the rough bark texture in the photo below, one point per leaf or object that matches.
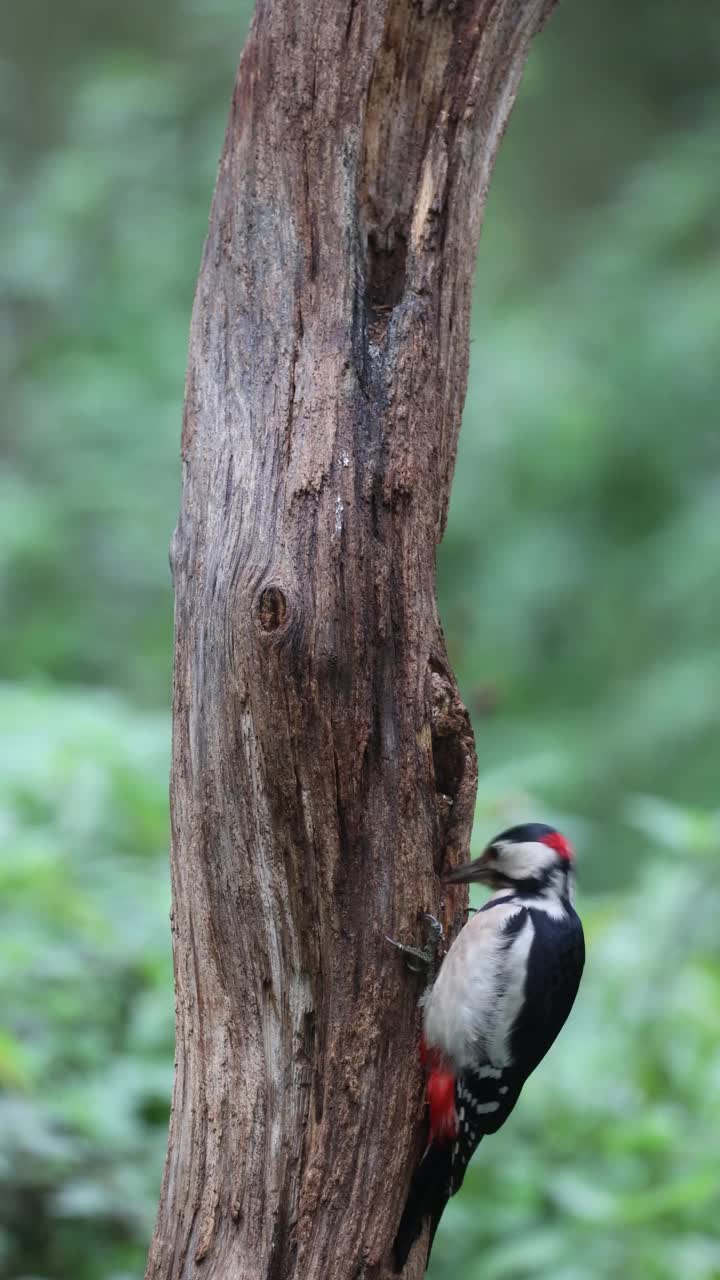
(323, 763)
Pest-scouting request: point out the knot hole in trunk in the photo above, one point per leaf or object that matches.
(271, 609)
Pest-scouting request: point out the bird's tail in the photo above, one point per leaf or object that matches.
(427, 1197)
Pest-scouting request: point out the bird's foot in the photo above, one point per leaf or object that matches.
(421, 959)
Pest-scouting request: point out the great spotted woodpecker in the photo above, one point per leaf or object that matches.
(502, 995)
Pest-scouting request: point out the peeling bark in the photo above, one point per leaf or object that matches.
(323, 763)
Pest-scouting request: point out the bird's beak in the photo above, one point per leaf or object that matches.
(479, 871)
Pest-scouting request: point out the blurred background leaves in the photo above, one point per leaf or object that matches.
(578, 584)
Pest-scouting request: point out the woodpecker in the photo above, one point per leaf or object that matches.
(502, 995)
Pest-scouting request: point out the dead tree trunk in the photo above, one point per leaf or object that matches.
(323, 764)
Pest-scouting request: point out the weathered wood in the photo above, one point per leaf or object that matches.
(323, 763)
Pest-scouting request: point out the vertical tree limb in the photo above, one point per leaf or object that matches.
(323, 763)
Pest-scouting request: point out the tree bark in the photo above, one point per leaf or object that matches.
(323, 763)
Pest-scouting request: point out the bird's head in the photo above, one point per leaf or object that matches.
(532, 858)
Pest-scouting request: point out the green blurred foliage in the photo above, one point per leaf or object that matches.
(580, 587)
(577, 583)
(86, 1036)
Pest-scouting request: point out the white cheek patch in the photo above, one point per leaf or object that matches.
(526, 861)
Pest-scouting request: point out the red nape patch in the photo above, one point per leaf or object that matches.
(441, 1101)
(559, 844)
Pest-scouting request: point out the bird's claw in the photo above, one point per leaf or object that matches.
(421, 959)
(435, 929)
